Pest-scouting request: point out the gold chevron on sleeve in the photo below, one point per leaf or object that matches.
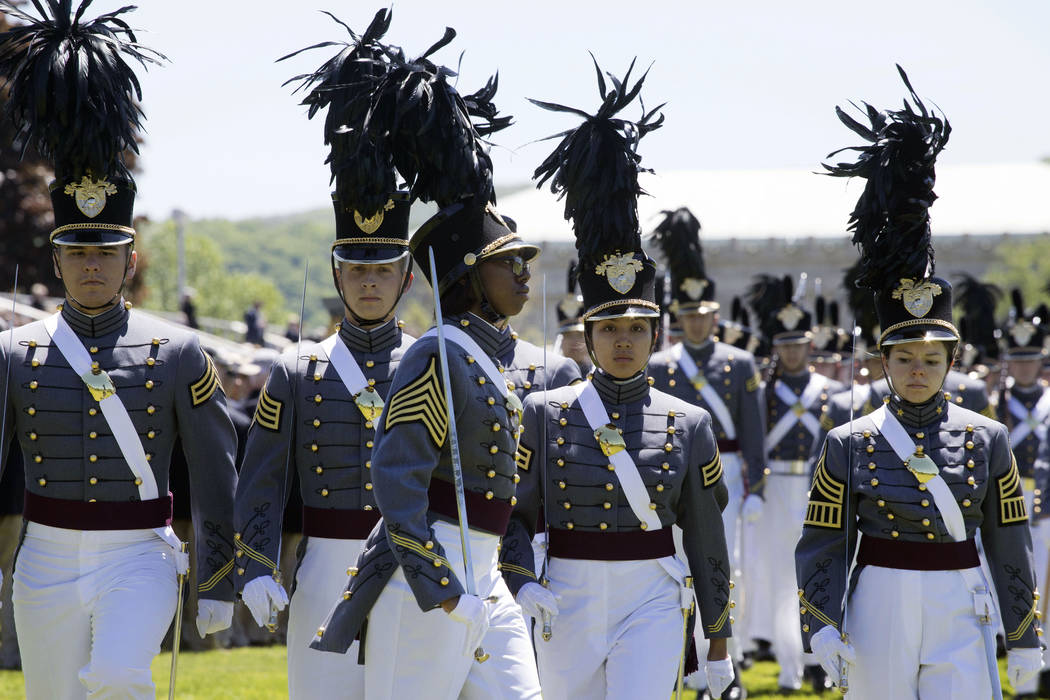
(1025, 623)
(268, 412)
(712, 471)
(202, 389)
(422, 400)
(752, 384)
(515, 569)
(826, 497)
(1011, 498)
(523, 457)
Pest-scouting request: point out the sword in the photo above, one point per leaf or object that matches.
(686, 609)
(843, 666)
(176, 635)
(7, 369)
(544, 581)
(457, 468)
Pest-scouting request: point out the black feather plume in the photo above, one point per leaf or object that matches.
(72, 93)
(362, 167)
(574, 274)
(861, 302)
(891, 221)
(978, 301)
(767, 295)
(678, 236)
(1017, 301)
(595, 168)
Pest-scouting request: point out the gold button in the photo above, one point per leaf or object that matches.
(920, 435)
(615, 415)
(564, 406)
(528, 384)
(671, 382)
(368, 507)
(670, 430)
(155, 341)
(313, 447)
(874, 482)
(562, 422)
(659, 488)
(607, 505)
(368, 424)
(971, 481)
(668, 447)
(369, 444)
(802, 611)
(324, 492)
(317, 377)
(93, 435)
(925, 503)
(368, 464)
(138, 482)
(495, 427)
(149, 383)
(569, 525)
(513, 500)
(561, 484)
(652, 506)
(567, 505)
(149, 456)
(319, 469)
(150, 362)
(560, 441)
(926, 522)
(881, 503)
(871, 466)
(93, 480)
(517, 478)
(151, 409)
(643, 525)
(481, 380)
(609, 487)
(464, 322)
(867, 433)
(470, 360)
(490, 473)
(561, 462)
(922, 487)
(919, 449)
(870, 448)
(32, 411)
(967, 503)
(317, 422)
(317, 398)
(33, 385)
(929, 535)
(42, 481)
(969, 444)
(970, 464)
(368, 486)
(895, 534)
(240, 572)
(35, 363)
(969, 427)
(370, 363)
(371, 382)
(665, 466)
(151, 434)
(92, 458)
(611, 467)
(493, 449)
(93, 349)
(32, 436)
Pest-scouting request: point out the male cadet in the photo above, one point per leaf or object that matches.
(97, 395)
(796, 398)
(317, 415)
(421, 621)
(1024, 404)
(570, 342)
(717, 377)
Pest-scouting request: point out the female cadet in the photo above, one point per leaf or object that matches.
(919, 477)
(612, 464)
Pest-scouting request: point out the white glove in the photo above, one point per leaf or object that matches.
(213, 616)
(832, 652)
(535, 600)
(719, 675)
(752, 509)
(259, 594)
(1023, 664)
(471, 611)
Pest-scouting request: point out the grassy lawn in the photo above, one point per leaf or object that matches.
(259, 673)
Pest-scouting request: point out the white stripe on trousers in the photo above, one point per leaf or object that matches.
(322, 577)
(618, 632)
(916, 636)
(414, 654)
(91, 609)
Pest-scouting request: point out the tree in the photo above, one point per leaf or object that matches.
(1023, 263)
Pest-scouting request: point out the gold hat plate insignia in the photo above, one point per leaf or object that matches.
(917, 297)
(619, 270)
(90, 195)
(371, 224)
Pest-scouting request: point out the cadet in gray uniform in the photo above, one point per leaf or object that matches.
(796, 398)
(317, 416)
(717, 377)
(918, 477)
(408, 597)
(611, 465)
(98, 395)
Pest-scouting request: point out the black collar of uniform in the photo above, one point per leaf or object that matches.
(369, 340)
(95, 326)
(1028, 391)
(700, 353)
(494, 341)
(797, 382)
(917, 415)
(620, 391)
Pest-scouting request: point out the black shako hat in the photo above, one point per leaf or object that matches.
(570, 308)
(595, 169)
(678, 236)
(74, 97)
(891, 221)
(1025, 331)
(782, 319)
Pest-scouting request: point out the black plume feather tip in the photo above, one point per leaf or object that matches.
(890, 221)
(362, 167)
(978, 301)
(735, 309)
(595, 169)
(678, 236)
(73, 94)
(860, 300)
(821, 310)
(574, 275)
(767, 295)
(1017, 300)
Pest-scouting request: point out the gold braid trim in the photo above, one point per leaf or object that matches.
(919, 322)
(515, 569)
(712, 471)
(620, 302)
(419, 549)
(497, 243)
(819, 614)
(721, 621)
(257, 555)
(374, 241)
(1022, 627)
(523, 457)
(216, 577)
(84, 226)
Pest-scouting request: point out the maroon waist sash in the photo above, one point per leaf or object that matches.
(610, 546)
(917, 556)
(97, 515)
(482, 514)
(338, 523)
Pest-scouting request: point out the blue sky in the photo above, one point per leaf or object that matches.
(748, 85)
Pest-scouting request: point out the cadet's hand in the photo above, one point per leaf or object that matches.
(259, 594)
(213, 616)
(720, 674)
(1022, 665)
(471, 611)
(832, 652)
(752, 509)
(535, 600)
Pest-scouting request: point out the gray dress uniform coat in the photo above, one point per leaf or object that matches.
(1032, 451)
(672, 445)
(412, 456)
(731, 372)
(799, 443)
(171, 391)
(306, 408)
(879, 498)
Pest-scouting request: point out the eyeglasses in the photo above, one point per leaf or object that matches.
(517, 264)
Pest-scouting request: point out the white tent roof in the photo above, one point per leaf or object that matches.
(757, 204)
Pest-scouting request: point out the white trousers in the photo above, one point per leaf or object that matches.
(618, 632)
(91, 608)
(916, 636)
(772, 596)
(414, 654)
(320, 581)
(1040, 552)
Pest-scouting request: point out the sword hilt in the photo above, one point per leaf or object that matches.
(271, 623)
(844, 670)
(547, 634)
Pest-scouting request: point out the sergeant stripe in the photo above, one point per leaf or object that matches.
(416, 547)
(202, 389)
(721, 621)
(712, 471)
(1011, 500)
(1023, 627)
(523, 457)
(216, 577)
(826, 497)
(515, 569)
(422, 400)
(268, 412)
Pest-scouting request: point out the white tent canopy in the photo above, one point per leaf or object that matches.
(976, 200)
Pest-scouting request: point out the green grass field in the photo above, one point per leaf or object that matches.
(259, 673)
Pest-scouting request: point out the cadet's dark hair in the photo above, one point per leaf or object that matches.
(459, 298)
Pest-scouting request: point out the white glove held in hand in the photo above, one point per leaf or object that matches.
(1023, 664)
(752, 509)
(471, 611)
(535, 600)
(259, 594)
(827, 644)
(719, 675)
(213, 616)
